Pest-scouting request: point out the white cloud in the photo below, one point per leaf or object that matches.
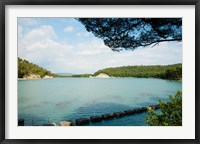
(83, 34)
(20, 30)
(68, 29)
(27, 21)
(41, 46)
(92, 48)
(42, 33)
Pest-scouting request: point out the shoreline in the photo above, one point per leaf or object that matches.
(24, 79)
(35, 77)
(29, 79)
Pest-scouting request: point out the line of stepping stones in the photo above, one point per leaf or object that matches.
(93, 119)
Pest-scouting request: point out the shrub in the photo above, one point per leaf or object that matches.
(170, 115)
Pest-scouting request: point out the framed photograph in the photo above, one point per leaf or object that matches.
(99, 72)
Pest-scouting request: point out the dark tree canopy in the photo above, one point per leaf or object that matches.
(130, 33)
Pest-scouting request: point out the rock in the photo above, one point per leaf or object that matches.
(54, 124)
(21, 122)
(129, 112)
(107, 116)
(32, 76)
(139, 110)
(102, 75)
(119, 114)
(155, 106)
(82, 121)
(66, 123)
(50, 124)
(143, 108)
(95, 118)
(46, 77)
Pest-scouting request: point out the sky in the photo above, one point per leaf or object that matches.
(62, 45)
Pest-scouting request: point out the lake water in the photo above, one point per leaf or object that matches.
(60, 99)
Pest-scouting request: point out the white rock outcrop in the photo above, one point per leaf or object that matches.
(32, 76)
(46, 77)
(102, 75)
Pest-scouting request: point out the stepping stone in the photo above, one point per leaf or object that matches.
(82, 121)
(66, 123)
(155, 106)
(129, 112)
(107, 116)
(119, 114)
(95, 118)
(21, 122)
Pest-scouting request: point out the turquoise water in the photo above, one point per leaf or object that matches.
(59, 99)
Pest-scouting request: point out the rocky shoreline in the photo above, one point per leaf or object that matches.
(102, 75)
(35, 77)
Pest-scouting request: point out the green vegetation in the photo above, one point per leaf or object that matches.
(165, 72)
(76, 76)
(171, 112)
(82, 75)
(173, 72)
(26, 68)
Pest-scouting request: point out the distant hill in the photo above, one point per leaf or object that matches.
(156, 71)
(174, 72)
(82, 75)
(26, 68)
(64, 74)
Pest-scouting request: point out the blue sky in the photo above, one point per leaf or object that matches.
(62, 45)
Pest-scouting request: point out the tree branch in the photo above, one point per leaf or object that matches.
(158, 41)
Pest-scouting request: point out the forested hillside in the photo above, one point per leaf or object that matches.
(157, 71)
(173, 72)
(26, 68)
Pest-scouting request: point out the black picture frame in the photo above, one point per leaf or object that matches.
(4, 3)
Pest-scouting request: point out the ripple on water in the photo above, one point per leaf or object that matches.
(97, 109)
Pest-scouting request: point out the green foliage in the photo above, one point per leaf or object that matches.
(171, 112)
(173, 73)
(26, 68)
(157, 71)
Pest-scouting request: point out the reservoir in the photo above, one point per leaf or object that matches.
(66, 99)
